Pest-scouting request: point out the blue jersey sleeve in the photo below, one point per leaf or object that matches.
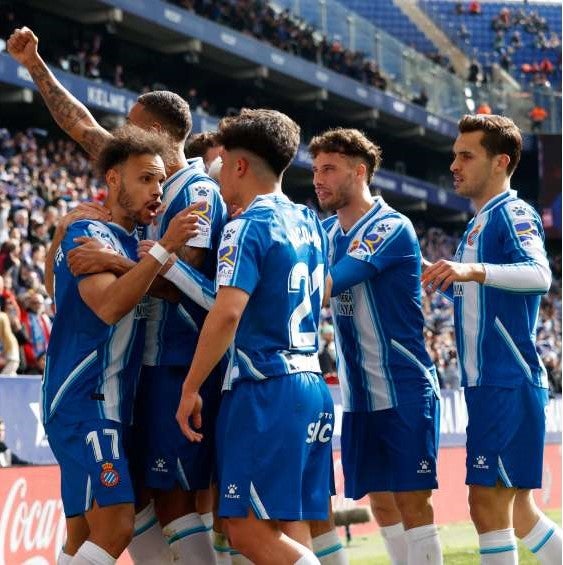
(386, 243)
(348, 272)
(244, 244)
(210, 213)
(84, 228)
(522, 236)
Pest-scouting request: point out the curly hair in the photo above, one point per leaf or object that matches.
(268, 134)
(350, 142)
(199, 143)
(127, 141)
(501, 136)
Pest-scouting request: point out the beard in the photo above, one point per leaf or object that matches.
(125, 200)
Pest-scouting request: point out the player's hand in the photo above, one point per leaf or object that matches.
(183, 226)
(86, 211)
(90, 257)
(143, 249)
(190, 407)
(425, 264)
(22, 46)
(443, 273)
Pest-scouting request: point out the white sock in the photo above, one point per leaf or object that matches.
(188, 541)
(221, 548)
(207, 520)
(423, 545)
(64, 558)
(498, 547)
(545, 541)
(91, 554)
(308, 558)
(148, 546)
(329, 550)
(239, 559)
(395, 543)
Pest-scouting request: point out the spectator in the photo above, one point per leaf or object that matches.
(421, 99)
(474, 74)
(474, 8)
(483, 108)
(9, 354)
(537, 116)
(37, 327)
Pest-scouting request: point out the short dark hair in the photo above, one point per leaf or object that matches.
(127, 141)
(501, 136)
(268, 134)
(171, 110)
(199, 143)
(350, 142)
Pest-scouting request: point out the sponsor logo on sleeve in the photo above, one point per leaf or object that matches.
(226, 263)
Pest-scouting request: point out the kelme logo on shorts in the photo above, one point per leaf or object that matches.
(232, 491)
(109, 476)
(480, 462)
(424, 467)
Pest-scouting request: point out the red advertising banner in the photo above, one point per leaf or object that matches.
(32, 525)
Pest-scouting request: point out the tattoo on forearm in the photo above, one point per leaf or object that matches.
(66, 112)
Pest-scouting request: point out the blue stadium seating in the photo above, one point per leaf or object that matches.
(481, 42)
(386, 15)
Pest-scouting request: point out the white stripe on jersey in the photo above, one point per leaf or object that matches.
(251, 368)
(512, 346)
(374, 374)
(75, 373)
(257, 503)
(186, 316)
(471, 307)
(122, 338)
(152, 342)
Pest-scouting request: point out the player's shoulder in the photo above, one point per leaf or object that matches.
(330, 222)
(518, 210)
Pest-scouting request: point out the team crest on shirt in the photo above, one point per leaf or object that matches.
(109, 476)
(472, 237)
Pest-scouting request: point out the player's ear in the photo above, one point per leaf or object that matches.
(503, 160)
(242, 166)
(361, 171)
(112, 178)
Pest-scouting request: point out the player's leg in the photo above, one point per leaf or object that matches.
(540, 535)
(389, 520)
(326, 543)
(494, 467)
(411, 439)
(204, 507)
(77, 532)
(172, 467)
(263, 542)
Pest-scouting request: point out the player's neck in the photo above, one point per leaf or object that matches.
(358, 206)
(252, 190)
(176, 161)
(491, 192)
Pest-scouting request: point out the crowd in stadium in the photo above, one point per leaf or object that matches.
(42, 179)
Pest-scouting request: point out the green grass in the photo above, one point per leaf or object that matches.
(459, 542)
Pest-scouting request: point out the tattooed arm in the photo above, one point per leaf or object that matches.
(70, 114)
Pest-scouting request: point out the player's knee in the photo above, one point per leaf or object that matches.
(415, 508)
(120, 534)
(240, 538)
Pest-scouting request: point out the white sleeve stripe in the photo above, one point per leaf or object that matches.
(194, 289)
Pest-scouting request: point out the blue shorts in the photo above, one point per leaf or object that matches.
(505, 435)
(94, 464)
(391, 450)
(274, 448)
(164, 458)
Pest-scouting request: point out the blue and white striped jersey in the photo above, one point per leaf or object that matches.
(92, 368)
(381, 357)
(173, 329)
(496, 322)
(276, 252)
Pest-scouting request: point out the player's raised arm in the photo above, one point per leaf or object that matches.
(70, 114)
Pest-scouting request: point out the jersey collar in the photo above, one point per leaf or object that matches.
(270, 198)
(194, 165)
(379, 205)
(497, 200)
